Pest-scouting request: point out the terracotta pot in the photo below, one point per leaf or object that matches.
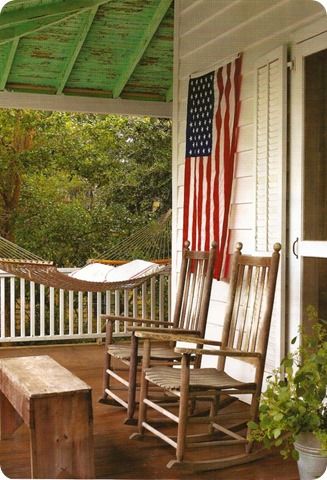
(311, 464)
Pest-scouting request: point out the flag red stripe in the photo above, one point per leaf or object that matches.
(218, 119)
(200, 201)
(231, 160)
(208, 205)
(228, 170)
(195, 207)
(187, 181)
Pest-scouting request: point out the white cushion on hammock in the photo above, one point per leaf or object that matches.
(98, 272)
(94, 272)
(133, 269)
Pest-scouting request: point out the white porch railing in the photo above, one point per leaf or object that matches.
(30, 312)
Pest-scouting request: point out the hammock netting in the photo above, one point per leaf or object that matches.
(151, 242)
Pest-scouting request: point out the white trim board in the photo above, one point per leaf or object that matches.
(65, 103)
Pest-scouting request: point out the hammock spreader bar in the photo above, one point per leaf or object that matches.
(48, 275)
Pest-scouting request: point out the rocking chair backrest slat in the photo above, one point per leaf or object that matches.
(194, 288)
(249, 308)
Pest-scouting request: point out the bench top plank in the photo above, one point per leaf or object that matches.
(38, 376)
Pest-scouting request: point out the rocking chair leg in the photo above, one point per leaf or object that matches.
(106, 365)
(183, 408)
(213, 411)
(132, 382)
(144, 388)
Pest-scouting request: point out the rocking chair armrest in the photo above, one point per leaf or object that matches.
(131, 320)
(223, 353)
(163, 330)
(182, 336)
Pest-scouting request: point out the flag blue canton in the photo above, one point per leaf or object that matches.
(200, 106)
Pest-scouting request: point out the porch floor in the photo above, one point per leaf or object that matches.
(117, 457)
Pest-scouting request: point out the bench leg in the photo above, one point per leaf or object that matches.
(62, 437)
(10, 420)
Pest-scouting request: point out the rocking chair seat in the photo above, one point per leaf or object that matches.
(162, 351)
(204, 378)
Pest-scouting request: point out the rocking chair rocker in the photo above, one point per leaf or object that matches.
(190, 316)
(245, 338)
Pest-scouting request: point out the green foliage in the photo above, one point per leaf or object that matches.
(294, 401)
(81, 183)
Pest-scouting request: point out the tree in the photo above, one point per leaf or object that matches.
(76, 184)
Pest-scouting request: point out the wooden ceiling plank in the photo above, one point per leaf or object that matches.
(78, 44)
(12, 17)
(138, 53)
(8, 64)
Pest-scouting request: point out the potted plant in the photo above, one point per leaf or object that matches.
(293, 409)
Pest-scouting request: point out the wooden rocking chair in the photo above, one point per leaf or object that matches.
(245, 337)
(190, 317)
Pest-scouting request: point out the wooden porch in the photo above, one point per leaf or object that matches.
(117, 457)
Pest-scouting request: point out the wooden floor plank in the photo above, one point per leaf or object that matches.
(117, 457)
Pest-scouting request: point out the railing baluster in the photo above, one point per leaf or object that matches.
(61, 312)
(22, 307)
(12, 308)
(144, 307)
(153, 298)
(117, 310)
(42, 310)
(71, 312)
(99, 304)
(89, 312)
(32, 309)
(161, 305)
(126, 309)
(80, 313)
(52, 311)
(108, 302)
(135, 309)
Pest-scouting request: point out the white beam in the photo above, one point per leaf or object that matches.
(65, 103)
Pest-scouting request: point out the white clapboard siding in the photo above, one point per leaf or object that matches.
(207, 34)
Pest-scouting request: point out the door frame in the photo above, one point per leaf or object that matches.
(297, 246)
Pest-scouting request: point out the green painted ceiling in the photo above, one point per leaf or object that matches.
(113, 48)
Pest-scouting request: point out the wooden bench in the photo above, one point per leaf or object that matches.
(57, 408)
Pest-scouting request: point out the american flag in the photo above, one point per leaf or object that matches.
(211, 139)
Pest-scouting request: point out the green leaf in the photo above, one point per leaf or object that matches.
(295, 454)
(276, 432)
(279, 416)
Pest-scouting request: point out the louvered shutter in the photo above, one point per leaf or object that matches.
(270, 179)
(270, 150)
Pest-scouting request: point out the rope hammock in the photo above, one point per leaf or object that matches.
(152, 242)
(17, 261)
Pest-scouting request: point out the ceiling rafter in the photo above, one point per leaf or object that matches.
(8, 63)
(11, 17)
(77, 46)
(142, 45)
(10, 32)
